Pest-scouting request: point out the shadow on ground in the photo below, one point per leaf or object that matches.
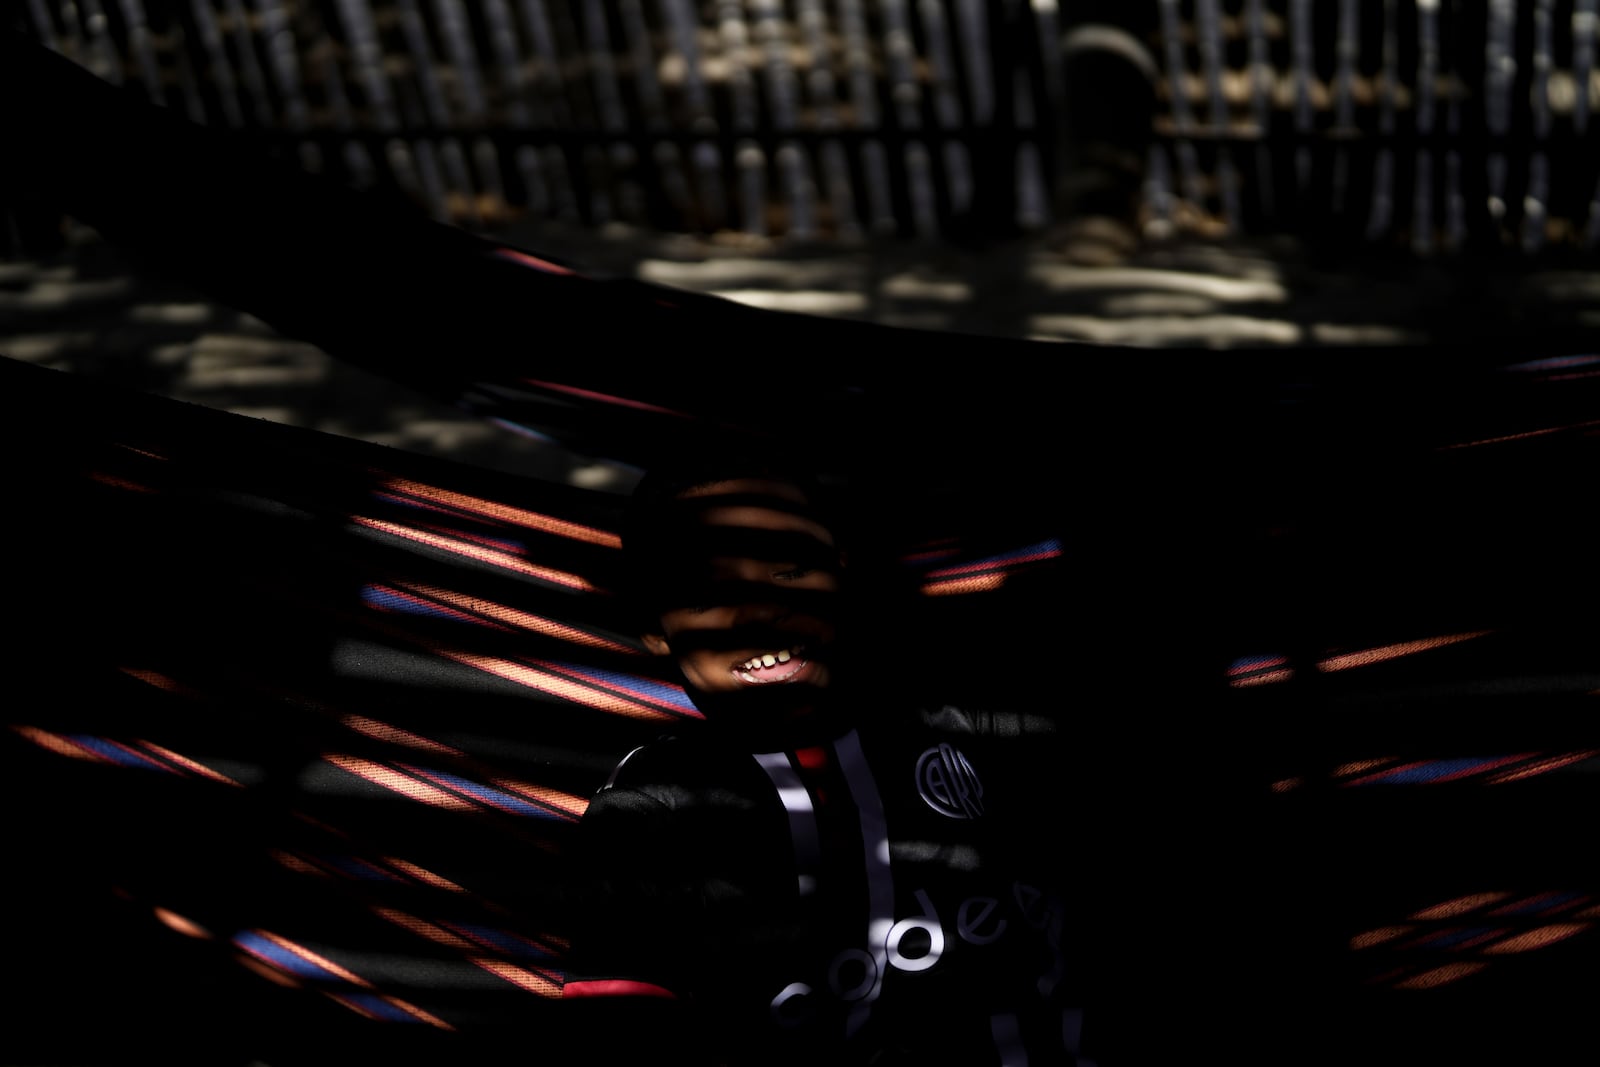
(82, 309)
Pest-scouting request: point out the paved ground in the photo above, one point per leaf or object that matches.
(82, 310)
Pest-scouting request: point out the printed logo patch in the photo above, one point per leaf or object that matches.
(948, 784)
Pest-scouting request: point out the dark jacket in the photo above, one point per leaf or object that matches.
(894, 895)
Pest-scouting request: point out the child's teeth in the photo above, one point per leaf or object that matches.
(768, 659)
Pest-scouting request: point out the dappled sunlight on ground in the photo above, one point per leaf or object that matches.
(86, 311)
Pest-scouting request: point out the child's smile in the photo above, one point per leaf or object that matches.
(785, 665)
(759, 583)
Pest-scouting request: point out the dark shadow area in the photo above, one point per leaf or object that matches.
(1321, 664)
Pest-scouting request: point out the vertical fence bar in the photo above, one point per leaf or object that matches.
(70, 41)
(217, 65)
(415, 163)
(1500, 72)
(1033, 205)
(783, 105)
(749, 162)
(670, 169)
(864, 103)
(705, 160)
(1544, 66)
(734, 38)
(557, 168)
(139, 43)
(424, 71)
(1535, 202)
(820, 91)
(441, 164)
(283, 60)
(946, 106)
(1208, 27)
(751, 165)
(900, 60)
(1047, 38)
(517, 105)
(1382, 215)
(547, 66)
(1347, 51)
(104, 59)
(255, 83)
(602, 68)
(552, 164)
(1423, 112)
(501, 33)
(486, 192)
(1182, 116)
(491, 186)
(974, 36)
(1585, 24)
(794, 173)
(618, 153)
(1455, 224)
(416, 172)
(668, 158)
(337, 98)
(358, 164)
(782, 85)
(1047, 24)
(361, 34)
(431, 164)
(1025, 177)
(482, 163)
(919, 189)
(531, 169)
(1158, 196)
(461, 199)
(194, 104)
(455, 31)
(1303, 73)
(43, 29)
(1262, 77)
(683, 31)
(646, 87)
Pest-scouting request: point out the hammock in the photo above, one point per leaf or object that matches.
(301, 726)
(317, 711)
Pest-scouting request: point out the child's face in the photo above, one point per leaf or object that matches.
(757, 588)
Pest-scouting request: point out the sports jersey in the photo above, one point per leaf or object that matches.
(892, 894)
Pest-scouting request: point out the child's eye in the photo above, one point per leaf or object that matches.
(793, 574)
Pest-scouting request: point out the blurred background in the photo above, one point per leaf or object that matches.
(1204, 173)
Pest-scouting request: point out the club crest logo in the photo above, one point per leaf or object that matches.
(948, 784)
